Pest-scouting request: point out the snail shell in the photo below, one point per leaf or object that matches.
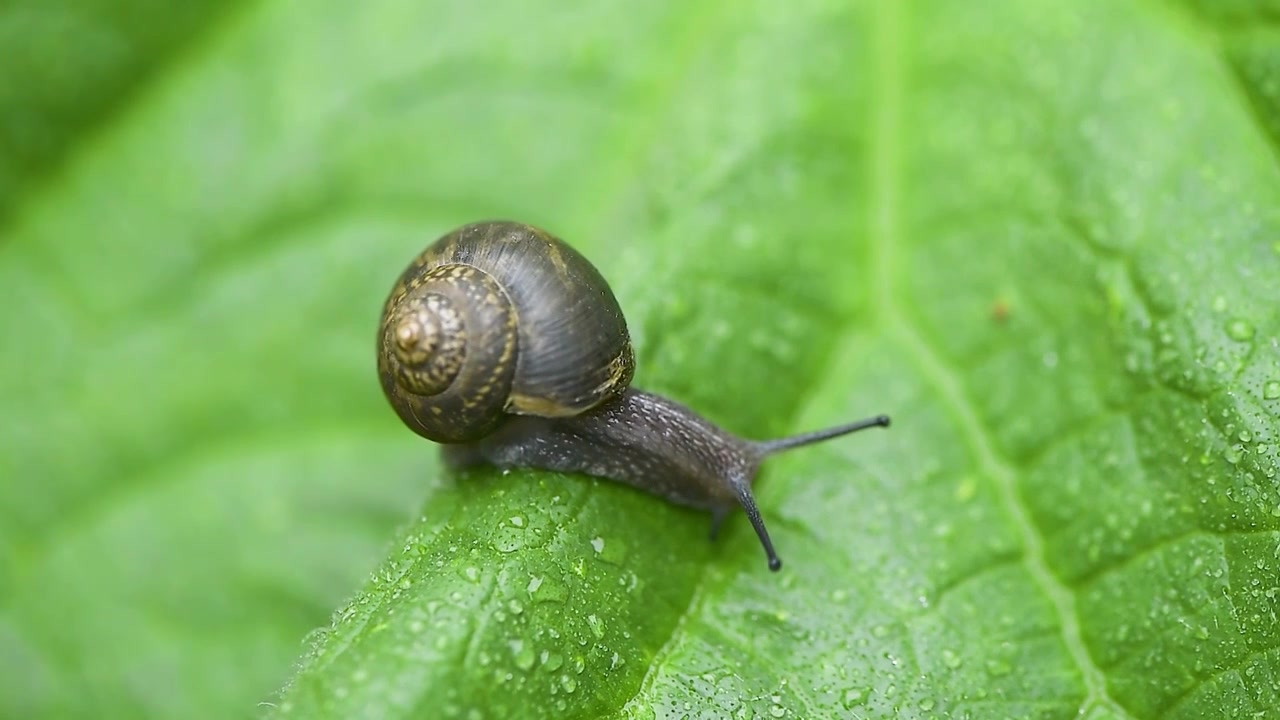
(503, 342)
(496, 319)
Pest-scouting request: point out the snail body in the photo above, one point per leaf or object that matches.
(507, 346)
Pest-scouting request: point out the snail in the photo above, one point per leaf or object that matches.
(505, 345)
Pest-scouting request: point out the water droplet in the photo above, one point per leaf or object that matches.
(472, 574)
(1271, 390)
(926, 704)
(548, 589)
(551, 661)
(1232, 454)
(998, 668)
(597, 626)
(854, 697)
(598, 544)
(1245, 436)
(641, 712)
(523, 654)
(315, 637)
(508, 539)
(515, 606)
(1240, 330)
(777, 711)
(517, 520)
(1219, 304)
(568, 683)
(951, 659)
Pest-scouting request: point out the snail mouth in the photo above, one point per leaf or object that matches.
(428, 340)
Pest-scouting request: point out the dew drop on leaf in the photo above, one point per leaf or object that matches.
(642, 712)
(523, 655)
(854, 697)
(315, 637)
(597, 626)
(508, 539)
(1232, 454)
(551, 661)
(549, 590)
(998, 668)
(1240, 330)
(1271, 390)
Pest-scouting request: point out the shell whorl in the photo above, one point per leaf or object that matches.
(429, 341)
(448, 352)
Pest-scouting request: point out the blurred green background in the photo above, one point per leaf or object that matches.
(1044, 236)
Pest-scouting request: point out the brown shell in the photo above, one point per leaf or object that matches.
(571, 348)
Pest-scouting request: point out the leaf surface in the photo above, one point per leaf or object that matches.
(1042, 236)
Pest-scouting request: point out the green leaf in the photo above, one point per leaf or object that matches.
(1043, 236)
(70, 66)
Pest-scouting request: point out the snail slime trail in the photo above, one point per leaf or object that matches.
(506, 345)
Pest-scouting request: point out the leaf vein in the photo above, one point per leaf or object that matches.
(886, 235)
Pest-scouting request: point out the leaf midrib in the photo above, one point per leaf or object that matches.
(889, 21)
